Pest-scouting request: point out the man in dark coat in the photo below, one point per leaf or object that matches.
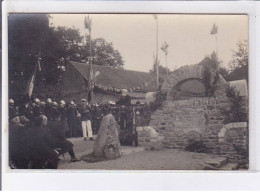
(125, 100)
(12, 109)
(48, 110)
(97, 116)
(72, 114)
(30, 147)
(63, 117)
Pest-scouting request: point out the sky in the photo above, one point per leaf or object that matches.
(188, 36)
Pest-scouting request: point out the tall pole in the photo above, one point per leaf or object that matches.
(216, 45)
(166, 64)
(91, 69)
(157, 64)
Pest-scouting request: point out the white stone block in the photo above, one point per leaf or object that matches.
(241, 86)
(240, 125)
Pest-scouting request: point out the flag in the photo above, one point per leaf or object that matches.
(165, 48)
(214, 29)
(30, 84)
(88, 23)
(156, 63)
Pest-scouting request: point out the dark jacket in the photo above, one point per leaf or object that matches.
(48, 111)
(125, 100)
(71, 113)
(85, 112)
(12, 112)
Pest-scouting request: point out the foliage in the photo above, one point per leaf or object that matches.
(160, 97)
(223, 71)
(237, 111)
(210, 74)
(240, 56)
(162, 70)
(103, 53)
(30, 37)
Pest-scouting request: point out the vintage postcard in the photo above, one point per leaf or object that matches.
(128, 91)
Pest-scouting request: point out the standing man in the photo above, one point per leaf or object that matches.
(48, 110)
(71, 117)
(97, 116)
(86, 117)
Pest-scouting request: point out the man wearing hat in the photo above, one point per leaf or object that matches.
(86, 118)
(125, 99)
(97, 116)
(72, 114)
(55, 110)
(63, 116)
(12, 109)
(48, 111)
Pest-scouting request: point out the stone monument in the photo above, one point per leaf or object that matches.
(107, 143)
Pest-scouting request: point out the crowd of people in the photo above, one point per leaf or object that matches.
(39, 130)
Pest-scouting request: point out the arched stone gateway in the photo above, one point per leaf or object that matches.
(182, 74)
(188, 114)
(192, 80)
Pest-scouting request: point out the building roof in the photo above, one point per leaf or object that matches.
(118, 78)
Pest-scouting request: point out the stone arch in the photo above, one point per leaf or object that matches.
(182, 74)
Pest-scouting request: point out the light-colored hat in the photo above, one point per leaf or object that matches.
(43, 103)
(62, 102)
(72, 102)
(37, 100)
(124, 92)
(111, 102)
(49, 100)
(83, 100)
(55, 103)
(11, 101)
(15, 120)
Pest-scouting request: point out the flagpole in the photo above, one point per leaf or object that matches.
(216, 44)
(166, 64)
(91, 67)
(157, 65)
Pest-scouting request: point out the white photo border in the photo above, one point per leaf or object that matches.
(138, 180)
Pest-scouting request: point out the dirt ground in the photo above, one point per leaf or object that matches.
(167, 159)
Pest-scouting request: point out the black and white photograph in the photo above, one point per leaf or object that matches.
(128, 91)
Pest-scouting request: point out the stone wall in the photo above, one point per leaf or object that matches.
(196, 118)
(233, 142)
(149, 138)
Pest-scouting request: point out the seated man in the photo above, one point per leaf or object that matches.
(55, 137)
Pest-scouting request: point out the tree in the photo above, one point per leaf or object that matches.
(27, 37)
(162, 70)
(30, 37)
(103, 53)
(240, 56)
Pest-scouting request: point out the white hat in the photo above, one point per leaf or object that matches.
(49, 100)
(72, 102)
(62, 102)
(83, 100)
(11, 101)
(37, 100)
(111, 102)
(55, 103)
(43, 103)
(124, 91)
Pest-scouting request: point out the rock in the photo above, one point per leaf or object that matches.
(107, 143)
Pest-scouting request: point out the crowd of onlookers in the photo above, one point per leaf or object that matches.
(38, 130)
